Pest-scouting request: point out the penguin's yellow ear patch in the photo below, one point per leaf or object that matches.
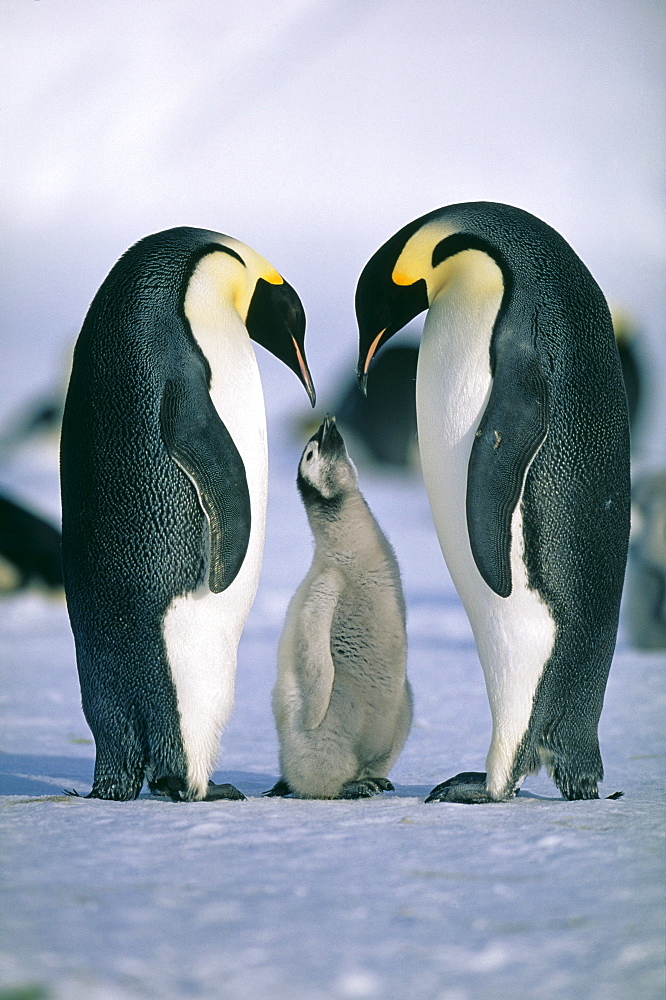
(272, 277)
(415, 260)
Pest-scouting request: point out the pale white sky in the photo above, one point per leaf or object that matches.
(312, 130)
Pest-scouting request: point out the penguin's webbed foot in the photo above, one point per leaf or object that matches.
(223, 791)
(175, 788)
(468, 787)
(169, 786)
(365, 788)
(281, 788)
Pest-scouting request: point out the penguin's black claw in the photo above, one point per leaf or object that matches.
(169, 786)
(468, 787)
(281, 788)
(358, 790)
(365, 788)
(224, 791)
(615, 795)
(75, 795)
(114, 793)
(384, 784)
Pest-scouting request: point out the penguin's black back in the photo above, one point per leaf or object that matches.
(118, 480)
(133, 530)
(552, 437)
(576, 497)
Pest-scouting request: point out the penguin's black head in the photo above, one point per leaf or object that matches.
(325, 471)
(382, 305)
(276, 320)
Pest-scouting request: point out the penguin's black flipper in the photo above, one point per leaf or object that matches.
(512, 429)
(201, 445)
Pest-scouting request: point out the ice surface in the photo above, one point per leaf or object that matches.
(386, 898)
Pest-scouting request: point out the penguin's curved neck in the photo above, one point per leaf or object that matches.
(219, 283)
(470, 274)
(343, 527)
(454, 367)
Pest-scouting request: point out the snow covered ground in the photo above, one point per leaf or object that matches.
(313, 130)
(269, 898)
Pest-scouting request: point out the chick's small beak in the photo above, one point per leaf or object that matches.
(327, 427)
(325, 431)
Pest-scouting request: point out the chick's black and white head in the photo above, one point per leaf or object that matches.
(325, 471)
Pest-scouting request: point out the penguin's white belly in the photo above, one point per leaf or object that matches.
(514, 635)
(202, 629)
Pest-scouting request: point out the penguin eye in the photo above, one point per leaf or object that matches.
(308, 456)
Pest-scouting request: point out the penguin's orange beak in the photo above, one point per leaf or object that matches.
(362, 374)
(306, 378)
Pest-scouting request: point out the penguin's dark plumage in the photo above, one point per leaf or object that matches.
(381, 426)
(645, 589)
(30, 545)
(523, 435)
(163, 474)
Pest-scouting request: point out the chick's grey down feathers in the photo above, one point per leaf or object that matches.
(342, 701)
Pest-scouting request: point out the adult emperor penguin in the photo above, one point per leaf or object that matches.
(342, 701)
(164, 477)
(523, 434)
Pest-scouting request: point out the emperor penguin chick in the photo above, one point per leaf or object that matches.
(342, 701)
